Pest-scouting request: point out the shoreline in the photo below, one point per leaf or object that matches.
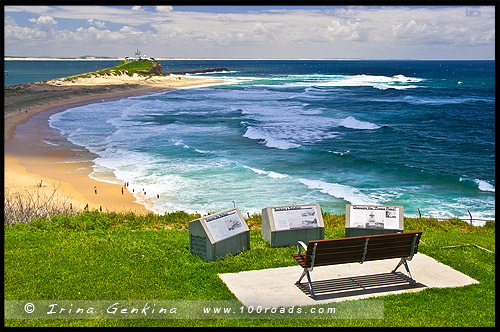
(64, 169)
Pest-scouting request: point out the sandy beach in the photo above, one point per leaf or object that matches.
(29, 161)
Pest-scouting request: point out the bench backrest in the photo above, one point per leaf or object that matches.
(362, 248)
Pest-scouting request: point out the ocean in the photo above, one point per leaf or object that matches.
(417, 134)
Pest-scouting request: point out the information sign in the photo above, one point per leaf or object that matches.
(374, 217)
(295, 217)
(224, 225)
(285, 225)
(218, 235)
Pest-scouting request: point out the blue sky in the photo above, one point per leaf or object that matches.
(289, 32)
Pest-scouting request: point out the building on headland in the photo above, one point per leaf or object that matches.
(139, 56)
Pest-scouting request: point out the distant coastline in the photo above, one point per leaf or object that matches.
(17, 58)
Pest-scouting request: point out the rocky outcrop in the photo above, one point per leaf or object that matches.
(155, 68)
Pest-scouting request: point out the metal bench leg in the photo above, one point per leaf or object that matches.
(412, 282)
(403, 261)
(310, 283)
(306, 273)
(302, 276)
(399, 264)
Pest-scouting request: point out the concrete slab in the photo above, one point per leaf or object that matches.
(276, 287)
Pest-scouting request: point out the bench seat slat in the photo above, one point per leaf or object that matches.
(375, 248)
(300, 259)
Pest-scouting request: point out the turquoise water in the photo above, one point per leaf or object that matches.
(420, 134)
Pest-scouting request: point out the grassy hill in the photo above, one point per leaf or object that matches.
(140, 67)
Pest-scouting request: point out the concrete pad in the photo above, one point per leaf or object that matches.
(276, 287)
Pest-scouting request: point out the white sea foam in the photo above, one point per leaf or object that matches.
(340, 152)
(353, 123)
(50, 142)
(256, 170)
(271, 174)
(269, 141)
(482, 185)
(347, 193)
(382, 86)
(398, 82)
(485, 186)
(276, 175)
(179, 142)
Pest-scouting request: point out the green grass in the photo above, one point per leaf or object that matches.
(109, 256)
(140, 67)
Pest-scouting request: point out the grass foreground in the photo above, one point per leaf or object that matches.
(111, 256)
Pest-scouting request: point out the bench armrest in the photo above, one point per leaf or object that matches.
(301, 244)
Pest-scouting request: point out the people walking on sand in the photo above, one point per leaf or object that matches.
(122, 190)
(95, 190)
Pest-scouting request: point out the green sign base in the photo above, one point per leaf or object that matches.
(291, 237)
(351, 232)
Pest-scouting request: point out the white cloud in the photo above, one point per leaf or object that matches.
(98, 24)
(340, 29)
(8, 20)
(92, 35)
(24, 34)
(44, 22)
(164, 9)
(126, 30)
(136, 8)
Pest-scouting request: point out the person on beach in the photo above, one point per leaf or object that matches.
(95, 190)
(122, 190)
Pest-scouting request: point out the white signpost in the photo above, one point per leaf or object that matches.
(373, 219)
(218, 235)
(285, 225)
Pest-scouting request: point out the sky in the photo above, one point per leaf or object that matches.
(242, 32)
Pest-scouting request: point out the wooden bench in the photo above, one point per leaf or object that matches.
(357, 249)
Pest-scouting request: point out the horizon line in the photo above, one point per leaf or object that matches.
(102, 58)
